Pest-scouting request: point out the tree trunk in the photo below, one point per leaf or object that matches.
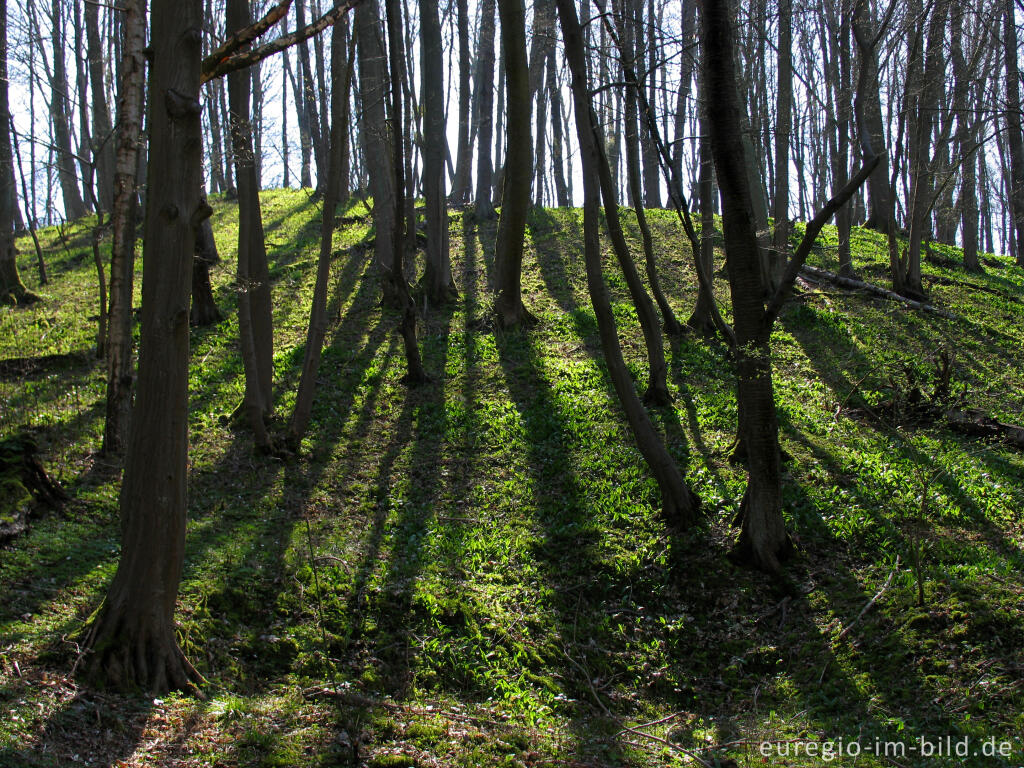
(921, 170)
(12, 290)
(679, 504)
(74, 206)
(485, 88)
(508, 248)
(373, 88)
(763, 538)
(318, 309)
(555, 94)
(255, 323)
(966, 137)
(783, 129)
(638, 194)
(309, 100)
(102, 133)
(1014, 135)
(123, 214)
(867, 107)
(463, 156)
(415, 374)
(131, 643)
(204, 308)
(439, 284)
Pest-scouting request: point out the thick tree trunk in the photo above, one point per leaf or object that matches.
(702, 319)
(439, 284)
(122, 258)
(255, 323)
(679, 504)
(485, 89)
(131, 643)
(508, 248)
(763, 538)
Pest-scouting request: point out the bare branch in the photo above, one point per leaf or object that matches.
(245, 36)
(256, 55)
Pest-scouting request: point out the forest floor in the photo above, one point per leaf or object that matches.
(475, 572)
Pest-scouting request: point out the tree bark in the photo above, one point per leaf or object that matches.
(131, 643)
(763, 539)
(867, 108)
(508, 248)
(12, 289)
(439, 283)
(255, 323)
(463, 156)
(102, 133)
(373, 127)
(123, 214)
(74, 206)
(415, 374)
(485, 89)
(1014, 135)
(318, 309)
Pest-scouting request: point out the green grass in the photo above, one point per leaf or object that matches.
(475, 572)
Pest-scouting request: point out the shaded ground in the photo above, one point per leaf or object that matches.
(474, 573)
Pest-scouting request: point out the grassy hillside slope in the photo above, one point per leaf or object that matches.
(474, 573)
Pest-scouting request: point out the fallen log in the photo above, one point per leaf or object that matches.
(859, 285)
(976, 423)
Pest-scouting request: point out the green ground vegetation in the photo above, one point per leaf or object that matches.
(475, 573)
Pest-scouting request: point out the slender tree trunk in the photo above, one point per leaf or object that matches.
(415, 374)
(377, 149)
(318, 309)
(555, 94)
(74, 206)
(122, 257)
(131, 642)
(463, 156)
(12, 290)
(867, 108)
(309, 100)
(679, 504)
(638, 194)
(1014, 135)
(965, 139)
(783, 129)
(763, 538)
(102, 133)
(439, 284)
(255, 323)
(204, 308)
(508, 248)
(485, 88)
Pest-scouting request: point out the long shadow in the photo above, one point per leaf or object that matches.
(113, 731)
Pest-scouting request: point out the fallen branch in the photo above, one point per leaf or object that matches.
(860, 285)
(871, 602)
